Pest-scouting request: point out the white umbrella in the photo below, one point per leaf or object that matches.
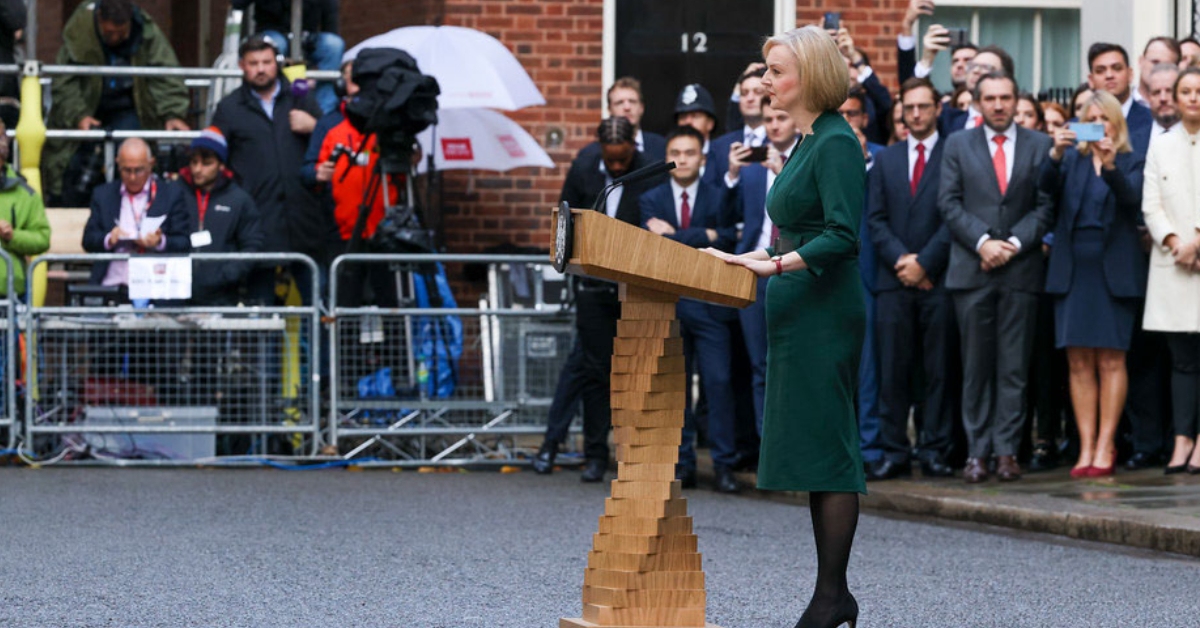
(473, 68)
(480, 139)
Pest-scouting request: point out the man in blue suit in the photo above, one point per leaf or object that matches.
(694, 212)
(854, 111)
(1109, 70)
(915, 314)
(750, 183)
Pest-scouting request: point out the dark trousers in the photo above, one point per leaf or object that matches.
(754, 330)
(915, 331)
(1148, 405)
(869, 417)
(1048, 396)
(1185, 383)
(996, 325)
(708, 332)
(585, 375)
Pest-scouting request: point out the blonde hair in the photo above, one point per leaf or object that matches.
(824, 78)
(1111, 108)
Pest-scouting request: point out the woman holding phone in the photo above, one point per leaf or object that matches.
(1173, 296)
(1096, 271)
(816, 319)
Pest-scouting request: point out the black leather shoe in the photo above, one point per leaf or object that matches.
(1044, 458)
(724, 482)
(889, 470)
(1143, 460)
(594, 471)
(935, 467)
(543, 462)
(686, 477)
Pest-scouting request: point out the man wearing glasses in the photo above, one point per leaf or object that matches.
(138, 214)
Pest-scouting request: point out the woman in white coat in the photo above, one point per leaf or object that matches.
(1171, 205)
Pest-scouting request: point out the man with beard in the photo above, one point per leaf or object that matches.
(990, 201)
(1162, 98)
(267, 129)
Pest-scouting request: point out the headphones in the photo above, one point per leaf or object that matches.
(339, 87)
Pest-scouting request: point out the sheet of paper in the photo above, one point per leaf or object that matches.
(159, 277)
(150, 224)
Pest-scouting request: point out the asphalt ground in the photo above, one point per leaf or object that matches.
(188, 547)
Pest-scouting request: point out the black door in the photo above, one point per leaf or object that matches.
(667, 45)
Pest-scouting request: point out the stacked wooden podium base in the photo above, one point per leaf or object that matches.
(644, 568)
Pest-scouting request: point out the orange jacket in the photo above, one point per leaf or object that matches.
(348, 192)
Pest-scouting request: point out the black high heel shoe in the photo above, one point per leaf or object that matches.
(846, 612)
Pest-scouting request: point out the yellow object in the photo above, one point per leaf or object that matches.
(295, 72)
(31, 136)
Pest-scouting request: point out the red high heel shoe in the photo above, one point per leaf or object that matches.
(1081, 472)
(1100, 472)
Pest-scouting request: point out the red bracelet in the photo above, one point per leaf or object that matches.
(778, 259)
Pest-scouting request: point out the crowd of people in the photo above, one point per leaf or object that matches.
(1030, 270)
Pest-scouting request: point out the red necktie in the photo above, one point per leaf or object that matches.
(1000, 162)
(978, 121)
(685, 212)
(918, 168)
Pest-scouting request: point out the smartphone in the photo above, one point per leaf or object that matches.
(833, 21)
(1087, 131)
(757, 154)
(958, 37)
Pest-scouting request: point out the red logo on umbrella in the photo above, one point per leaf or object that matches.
(511, 145)
(457, 149)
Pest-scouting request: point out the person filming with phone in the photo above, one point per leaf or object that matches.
(1096, 272)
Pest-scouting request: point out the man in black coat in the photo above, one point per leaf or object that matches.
(321, 45)
(267, 129)
(223, 219)
(122, 211)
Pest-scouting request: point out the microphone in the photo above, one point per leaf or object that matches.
(641, 174)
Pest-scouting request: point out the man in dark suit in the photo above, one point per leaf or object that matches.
(1109, 70)
(750, 183)
(585, 375)
(997, 216)
(625, 100)
(915, 315)
(986, 60)
(752, 132)
(692, 211)
(121, 208)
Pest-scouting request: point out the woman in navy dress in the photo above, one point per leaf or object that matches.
(1097, 272)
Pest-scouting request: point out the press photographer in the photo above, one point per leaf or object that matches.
(370, 180)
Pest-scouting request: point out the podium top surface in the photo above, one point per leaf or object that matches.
(606, 248)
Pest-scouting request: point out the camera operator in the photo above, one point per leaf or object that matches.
(320, 43)
(108, 33)
(348, 168)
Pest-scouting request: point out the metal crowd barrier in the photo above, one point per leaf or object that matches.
(385, 401)
(172, 383)
(9, 362)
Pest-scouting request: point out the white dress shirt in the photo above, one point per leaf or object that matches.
(614, 198)
(754, 136)
(640, 141)
(677, 191)
(1126, 107)
(928, 142)
(1010, 152)
(764, 236)
(972, 114)
(1158, 129)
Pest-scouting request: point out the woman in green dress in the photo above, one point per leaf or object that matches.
(815, 313)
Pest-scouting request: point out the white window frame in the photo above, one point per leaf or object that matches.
(785, 18)
(1035, 5)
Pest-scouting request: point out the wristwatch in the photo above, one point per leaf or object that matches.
(778, 259)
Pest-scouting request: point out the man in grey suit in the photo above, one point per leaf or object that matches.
(990, 201)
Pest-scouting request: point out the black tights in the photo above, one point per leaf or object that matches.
(834, 519)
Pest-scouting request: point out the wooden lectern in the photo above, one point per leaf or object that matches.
(644, 568)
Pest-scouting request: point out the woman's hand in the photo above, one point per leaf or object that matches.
(1064, 138)
(717, 253)
(760, 267)
(1106, 152)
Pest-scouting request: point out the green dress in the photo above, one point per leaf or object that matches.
(816, 319)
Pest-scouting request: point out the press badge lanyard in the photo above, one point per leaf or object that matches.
(202, 199)
(137, 218)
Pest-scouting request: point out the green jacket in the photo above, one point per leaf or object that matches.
(157, 99)
(21, 207)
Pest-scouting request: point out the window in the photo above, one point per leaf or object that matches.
(1044, 43)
